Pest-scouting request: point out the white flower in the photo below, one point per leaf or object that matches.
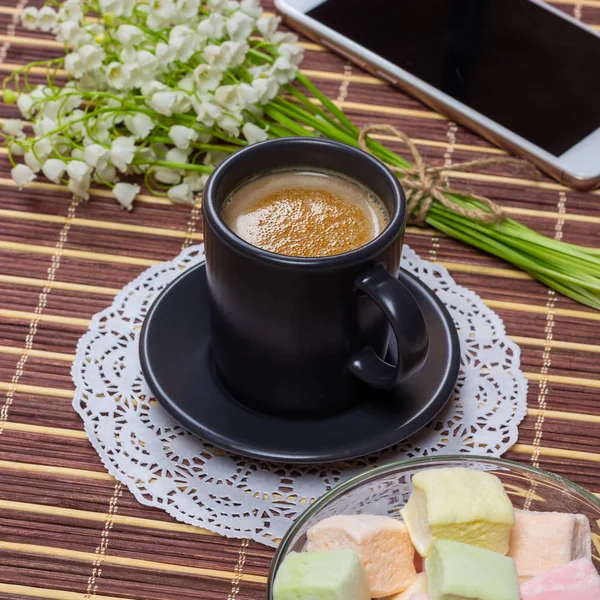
(13, 127)
(70, 32)
(122, 152)
(196, 182)
(155, 23)
(181, 194)
(25, 104)
(142, 70)
(125, 194)
(217, 56)
(96, 30)
(267, 88)
(32, 162)
(94, 153)
(229, 125)
(227, 97)
(168, 176)
(207, 78)
(91, 56)
(239, 27)
(247, 95)
(93, 81)
(70, 11)
(151, 87)
(42, 148)
(215, 158)
(178, 156)
(164, 102)
(22, 175)
(127, 55)
(182, 136)
(118, 8)
(78, 170)
(129, 35)
(29, 18)
(47, 18)
(108, 6)
(16, 149)
(165, 54)
(80, 188)
(187, 83)
(140, 125)
(238, 52)
(253, 133)
(144, 158)
(105, 172)
(44, 126)
(283, 70)
(70, 102)
(116, 76)
(284, 37)
(42, 92)
(163, 9)
(187, 10)
(217, 5)
(292, 52)
(212, 27)
(183, 103)
(185, 41)
(207, 112)
(267, 25)
(236, 97)
(251, 7)
(78, 154)
(74, 65)
(54, 169)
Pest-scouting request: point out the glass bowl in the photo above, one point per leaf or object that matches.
(384, 491)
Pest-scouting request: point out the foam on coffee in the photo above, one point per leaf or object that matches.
(305, 213)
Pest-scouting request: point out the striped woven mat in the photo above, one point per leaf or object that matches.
(68, 530)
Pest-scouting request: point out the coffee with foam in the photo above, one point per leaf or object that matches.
(305, 213)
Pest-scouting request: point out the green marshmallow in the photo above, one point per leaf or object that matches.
(457, 571)
(328, 575)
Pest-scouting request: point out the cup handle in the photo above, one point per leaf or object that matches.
(408, 325)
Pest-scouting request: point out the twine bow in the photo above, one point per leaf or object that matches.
(425, 184)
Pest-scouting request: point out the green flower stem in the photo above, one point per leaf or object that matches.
(178, 166)
(278, 116)
(328, 104)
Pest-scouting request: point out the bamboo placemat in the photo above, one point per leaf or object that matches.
(67, 529)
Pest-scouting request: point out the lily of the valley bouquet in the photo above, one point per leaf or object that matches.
(165, 89)
(162, 89)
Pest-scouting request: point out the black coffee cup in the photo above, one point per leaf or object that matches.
(307, 337)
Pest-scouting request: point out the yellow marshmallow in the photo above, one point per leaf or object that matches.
(382, 544)
(461, 505)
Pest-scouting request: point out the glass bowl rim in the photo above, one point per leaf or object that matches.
(341, 488)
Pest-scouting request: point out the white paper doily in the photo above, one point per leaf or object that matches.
(167, 467)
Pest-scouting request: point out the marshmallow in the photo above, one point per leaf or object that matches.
(458, 504)
(458, 571)
(577, 580)
(382, 543)
(543, 541)
(417, 590)
(333, 575)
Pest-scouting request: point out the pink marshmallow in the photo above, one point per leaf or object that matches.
(577, 580)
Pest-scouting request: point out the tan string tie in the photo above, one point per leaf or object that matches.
(425, 184)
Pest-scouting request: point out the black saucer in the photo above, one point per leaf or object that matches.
(176, 361)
